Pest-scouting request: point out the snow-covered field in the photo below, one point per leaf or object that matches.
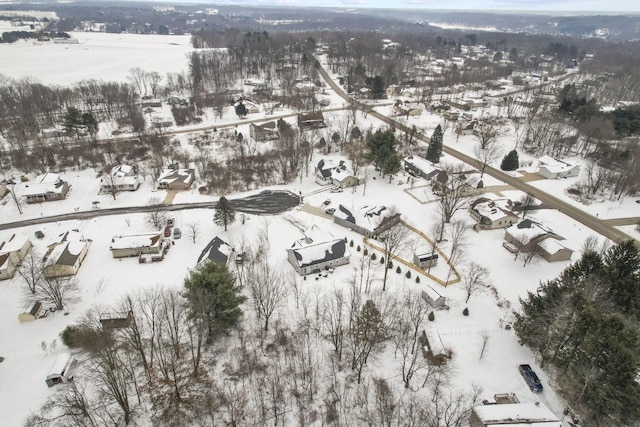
(98, 56)
(29, 349)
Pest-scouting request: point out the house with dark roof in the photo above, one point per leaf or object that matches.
(314, 120)
(217, 251)
(369, 221)
(313, 257)
(176, 179)
(32, 311)
(264, 132)
(65, 256)
(45, 188)
(12, 252)
(491, 214)
(338, 173)
(529, 235)
(418, 166)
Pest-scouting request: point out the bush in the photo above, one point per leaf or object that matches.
(366, 251)
(373, 256)
(431, 317)
(465, 312)
(390, 265)
(398, 270)
(351, 243)
(409, 274)
(358, 249)
(417, 279)
(71, 336)
(382, 260)
(510, 162)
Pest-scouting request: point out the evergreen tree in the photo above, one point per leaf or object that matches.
(225, 214)
(72, 120)
(241, 110)
(435, 145)
(510, 162)
(623, 276)
(585, 323)
(214, 298)
(377, 87)
(90, 123)
(382, 152)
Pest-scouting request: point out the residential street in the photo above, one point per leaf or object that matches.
(602, 227)
(259, 204)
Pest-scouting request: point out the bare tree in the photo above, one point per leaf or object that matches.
(486, 154)
(156, 216)
(453, 192)
(333, 321)
(394, 240)
(58, 291)
(406, 326)
(475, 278)
(457, 241)
(527, 203)
(487, 134)
(267, 287)
(32, 270)
(484, 335)
(193, 229)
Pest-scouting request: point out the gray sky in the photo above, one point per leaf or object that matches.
(531, 5)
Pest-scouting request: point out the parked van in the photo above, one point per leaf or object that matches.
(177, 233)
(62, 370)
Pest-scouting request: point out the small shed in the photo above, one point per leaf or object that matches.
(425, 259)
(116, 320)
(30, 312)
(433, 298)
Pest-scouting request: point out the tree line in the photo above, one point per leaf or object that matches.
(583, 325)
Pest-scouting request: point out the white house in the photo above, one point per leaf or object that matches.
(338, 173)
(121, 178)
(317, 251)
(551, 168)
(491, 214)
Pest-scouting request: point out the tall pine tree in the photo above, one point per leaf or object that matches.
(435, 145)
(225, 214)
(214, 298)
(382, 152)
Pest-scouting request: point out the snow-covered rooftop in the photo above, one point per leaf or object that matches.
(516, 414)
(136, 241)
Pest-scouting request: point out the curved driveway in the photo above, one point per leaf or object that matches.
(595, 224)
(258, 204)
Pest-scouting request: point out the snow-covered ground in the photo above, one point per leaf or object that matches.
(98, 56)
(29, 349)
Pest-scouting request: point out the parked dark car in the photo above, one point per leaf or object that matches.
(531, 378)
(167, 231)
(39, 234)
